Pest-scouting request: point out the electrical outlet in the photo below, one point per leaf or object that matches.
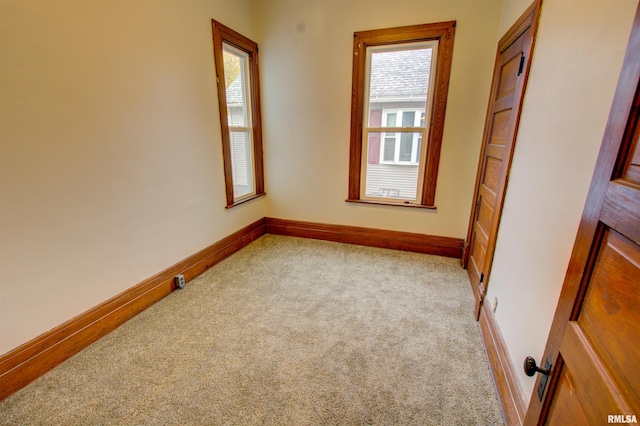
(495, 304)
(179, 281)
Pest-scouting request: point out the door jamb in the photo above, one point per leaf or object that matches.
(532, 13)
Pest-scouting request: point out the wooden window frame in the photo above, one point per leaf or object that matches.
(223, 34)
(443, 32)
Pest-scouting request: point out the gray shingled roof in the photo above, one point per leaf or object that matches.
(234, 91)
(400, 73)
(393, 75)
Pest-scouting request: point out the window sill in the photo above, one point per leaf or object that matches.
(244, 200)
(389, 203)
(399, 163)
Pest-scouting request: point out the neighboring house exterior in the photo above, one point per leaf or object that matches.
(398, 92)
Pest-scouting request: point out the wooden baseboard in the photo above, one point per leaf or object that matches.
(512, 399)
(26, 363)
(420, 243)
(31, 360)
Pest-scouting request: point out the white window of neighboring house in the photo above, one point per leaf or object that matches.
(397, 147)
(398, 102)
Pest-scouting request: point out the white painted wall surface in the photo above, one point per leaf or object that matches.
(110, 150)
(577, 60)
(306, 49)
(511, 11)
(110, 155)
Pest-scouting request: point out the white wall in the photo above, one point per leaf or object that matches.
(306, 48)
(576, 63)
(110, 156)
(511, 12)
(110, 152)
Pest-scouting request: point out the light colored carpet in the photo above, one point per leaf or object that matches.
(287, 331)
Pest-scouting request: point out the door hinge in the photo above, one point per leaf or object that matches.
(522, 58)
(482, 291)
(475, 212)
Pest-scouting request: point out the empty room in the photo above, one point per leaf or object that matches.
(319, 212)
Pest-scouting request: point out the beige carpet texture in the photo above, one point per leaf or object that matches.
(287, 331)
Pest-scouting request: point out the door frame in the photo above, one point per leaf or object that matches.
(617, 137)
(529, 19)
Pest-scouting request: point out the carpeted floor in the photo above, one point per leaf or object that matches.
(287, 331)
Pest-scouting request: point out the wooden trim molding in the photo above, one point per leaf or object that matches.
(512, 398)
(223, 34)
(382, 203)
(444, 33)
(24, 364)
(408, 241)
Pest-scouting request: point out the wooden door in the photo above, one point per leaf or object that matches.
(503, 113)
(594, 344)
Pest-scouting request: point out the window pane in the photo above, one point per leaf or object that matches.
(389, 149)
(391, 119)
(408, 118)
(241, 163)
(406, 146)
(235, 68)
(389, 180)
(398, 79)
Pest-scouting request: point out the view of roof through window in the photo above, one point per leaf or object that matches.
(398, 89)
(400, 74)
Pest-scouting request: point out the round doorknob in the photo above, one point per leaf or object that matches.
(531, 368)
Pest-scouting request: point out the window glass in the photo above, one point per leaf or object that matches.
(388, 179)
(236, 64)
(398, 77)
(398, 97)
(241, 163)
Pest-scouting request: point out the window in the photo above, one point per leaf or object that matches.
(236, 61)
(401, 148)
(400, 85)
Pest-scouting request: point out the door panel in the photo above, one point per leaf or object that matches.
(570, 411)
(492, 174)
(485, 214)
(594, 341)
(621, 209)
(611, 303)
(501, 122)
(497, 150)
(595, 387)
(600, 347)
(510, 62)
